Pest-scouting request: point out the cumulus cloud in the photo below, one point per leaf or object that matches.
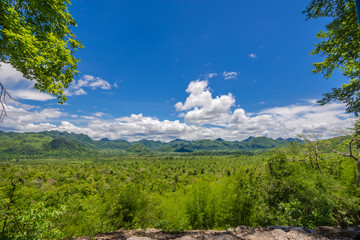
(76, 92)
(204, 109)
(10, 77)
(22, 118)
(30, 94)
(206, 117)
(87, 81)
(310, 118)
(132, 128)
(91, 81)
(20, 87)
(289, 121)
(229, 75)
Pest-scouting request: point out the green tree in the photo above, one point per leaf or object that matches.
(36, 39)
(340, 46)
(312, 148)
(353, 149)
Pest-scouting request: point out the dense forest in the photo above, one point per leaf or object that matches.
(64, 144)
(94, 187)
(57, 185)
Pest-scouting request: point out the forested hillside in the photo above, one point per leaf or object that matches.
(62, 196)
(64, 144)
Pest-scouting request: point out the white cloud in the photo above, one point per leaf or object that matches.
(199, 110)
(79, 92)
(10, 77)
(310, 118)
(135, 127)
(89, 117)
(252, 55)
(100, 114)
(199, 95)
(87, 81)
(25, 106)
(23, 119)
(91, 81)
(20, 87)
(210, 75)
(30, 94)
(204, 109)
(230, 75)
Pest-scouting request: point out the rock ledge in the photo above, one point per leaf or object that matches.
(241, 232)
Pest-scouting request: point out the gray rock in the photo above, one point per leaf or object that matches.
(301, 229)
(260, 229)
(354, 229)
(220, 236)
(328, 230)
(185, 238)
(259, 235)
(152, 231)
(338, 232)
(139, 238)
(280, 234)
(284, 228)
(243, 229)
(309, 230)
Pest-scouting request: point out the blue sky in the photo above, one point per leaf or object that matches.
(186, 69)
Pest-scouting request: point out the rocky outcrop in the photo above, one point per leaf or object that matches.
(241, 232)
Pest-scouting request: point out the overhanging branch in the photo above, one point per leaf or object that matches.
(4, 94)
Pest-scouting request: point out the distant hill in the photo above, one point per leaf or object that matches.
(55, 143)
(45, 144)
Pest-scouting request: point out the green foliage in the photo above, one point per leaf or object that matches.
(62, 143)
(36, 39)
(139, 148)
(198, 207)
(36, 222)
(131, 208)
(32, 220)
(84, 196)
(55, 143)
(299, 194)
(279, 166)
(340, 46)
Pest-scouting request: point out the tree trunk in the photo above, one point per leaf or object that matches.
(317, 158)
(357, 173)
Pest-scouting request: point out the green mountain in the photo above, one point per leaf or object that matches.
(45, 144)
(63, 144)
(81, 139)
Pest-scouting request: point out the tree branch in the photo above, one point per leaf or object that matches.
(350, 151)
(3, 95)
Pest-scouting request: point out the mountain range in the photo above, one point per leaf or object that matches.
(55, 143)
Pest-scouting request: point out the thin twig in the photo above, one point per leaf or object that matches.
(14, 217)
(3, 95)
